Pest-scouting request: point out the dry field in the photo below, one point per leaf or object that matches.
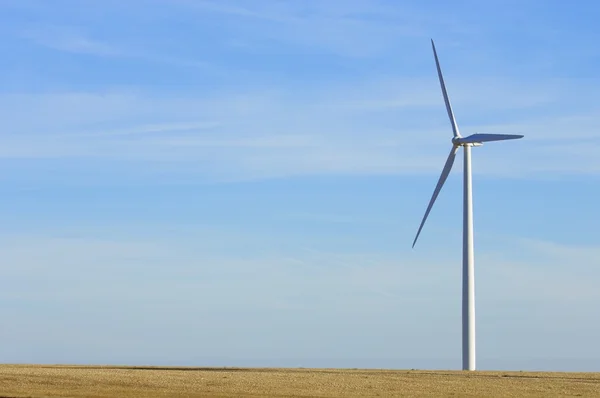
(111, 381)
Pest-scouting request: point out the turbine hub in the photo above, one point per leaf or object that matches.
(458, 142)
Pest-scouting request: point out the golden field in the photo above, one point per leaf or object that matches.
(113, 381)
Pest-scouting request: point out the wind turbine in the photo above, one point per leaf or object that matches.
(468, 277)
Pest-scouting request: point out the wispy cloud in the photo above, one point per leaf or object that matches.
(355, 28)
(105, 260)
(142, 130)
(571, 255)
(73, 40)
(364, 128)
(251, 125)
(563, 272)
(154, 275)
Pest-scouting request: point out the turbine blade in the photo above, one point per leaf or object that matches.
(446, 100)
(480, 137)
(438, 188)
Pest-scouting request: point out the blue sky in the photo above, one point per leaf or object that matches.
(239, 182)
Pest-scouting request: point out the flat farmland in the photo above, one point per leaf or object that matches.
(121, 381)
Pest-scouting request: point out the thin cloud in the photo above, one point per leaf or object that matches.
(586, 255)
(354, 29)
(269, 133)
(563, 273)
(143, 130)
(71, 40)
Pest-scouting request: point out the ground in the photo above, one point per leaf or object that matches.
(110, 381)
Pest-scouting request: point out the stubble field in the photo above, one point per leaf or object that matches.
(111, 381)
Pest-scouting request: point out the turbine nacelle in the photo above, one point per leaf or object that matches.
(457, 142)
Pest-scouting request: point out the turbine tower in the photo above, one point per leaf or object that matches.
(468, 277)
